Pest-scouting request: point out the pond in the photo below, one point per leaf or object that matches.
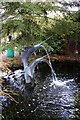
(48, 102)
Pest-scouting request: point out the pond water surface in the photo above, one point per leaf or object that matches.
(48, 102)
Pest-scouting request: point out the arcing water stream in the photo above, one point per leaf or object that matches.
(53, 72)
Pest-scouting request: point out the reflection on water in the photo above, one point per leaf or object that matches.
(46, 101)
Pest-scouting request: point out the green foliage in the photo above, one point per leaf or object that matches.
(22, 18)
(30, 22)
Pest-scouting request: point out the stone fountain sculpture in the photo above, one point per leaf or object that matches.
(29, 68)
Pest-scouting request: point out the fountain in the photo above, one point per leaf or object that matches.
(29, 68)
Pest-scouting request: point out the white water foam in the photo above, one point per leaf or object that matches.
(60, 83)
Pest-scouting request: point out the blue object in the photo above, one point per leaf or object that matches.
(10, 53)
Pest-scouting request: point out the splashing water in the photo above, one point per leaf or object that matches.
(60, 83)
